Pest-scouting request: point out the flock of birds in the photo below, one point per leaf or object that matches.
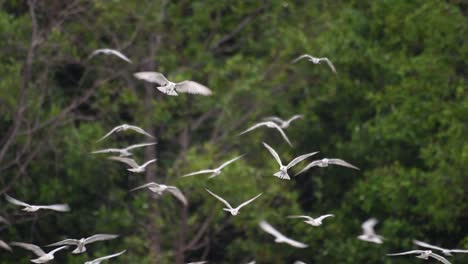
(192, 87)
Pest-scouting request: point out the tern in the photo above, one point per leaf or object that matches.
(423, 254)
(214, 172)
(445, 251)
(369, 234)
(171, 88)
(198, 262)
(312, 221)
(315, 61)
(43, 257)
(230, 209)
(280, 238)
(126, 127)
(132, 163)
(98, 260)
(110, 52)
(34, 208)
(283, 172)
(283, 123)
(124, 152)
(80, 243)
(269, 124)
(159, 189)
(325, 162)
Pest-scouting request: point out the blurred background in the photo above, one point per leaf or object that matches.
(397, 108)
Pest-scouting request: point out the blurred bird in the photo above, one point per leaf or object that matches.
(126, 127)
(198, 262)
(315, 61)
(280, 238)
(110, 52)
(369, 234)
(171, 88)
(299, 262)
(269, 124)
(4, 245)
(132, 163)
(312, 221)
(214, 172)
(283, 172)
(230, 209)
(282, 123)
(325, 162)
(445, 251)
(43, 257)
(34, 208)
(98, 260)
(3, 220)
(80, 243)
(124, 152)
(423, 254)
(159, 189)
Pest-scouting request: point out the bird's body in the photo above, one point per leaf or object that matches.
(172, 88)
(422, 254)
(312, 221)
(280, 238)
(132, 163)
(283, 170)
(42, 256)
(445, 251)
(159, 189)
(315, 60)
(110, 52)
(214, 172)
(230, 209)
(125, 127)
(34, 208)
(369, 234)
(80, 243)
(282, 123)
(269, 124)
(326, 162)
(123, 152)
(99, 260)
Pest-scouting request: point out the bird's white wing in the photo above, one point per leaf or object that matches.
(368, 226)
(320, 218)
(154, 77)
(198, 172)
(301, 57)
(56, 207)
(52, 252)
(440, 258)
(426, 245)
(110, 52)
(192, 88)
(300, 216)
(272, 231)
(140, 130)
(229, 162)
(100, 237)
(140, 145)
(247, 202)
(342, 163)
(69, 242)
(459, 250)
(300, 158)
(148, 162)
(15, 201)
(3, 220)
(130, 162)
(274, 119)
(330, 64)
(295, 243)
(273, 153)
(178, 194)
(294, 117)
(282, 134)
(106, 150)
(110, 132)
(149, 184)
(98, 260)
(220, 198)
(254, 127)
(35, 249)
(310, 165)
(406, 253)
(4, 245)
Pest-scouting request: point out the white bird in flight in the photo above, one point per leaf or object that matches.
(132, 163)
(159, 189)
(445, 251)
(230, 209)
(325, 162)
(126, 127)
(423, 254)
(269, 124)
(43, 257)
(34, 208)
(80, 243)
(312, 221)
(110, 52)
(171, 88)
(283, 123)
(214, 172)
(98, 260)
(124, 152)
(283, 172)
(280, 238)
(369, 234)
(315, 60)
